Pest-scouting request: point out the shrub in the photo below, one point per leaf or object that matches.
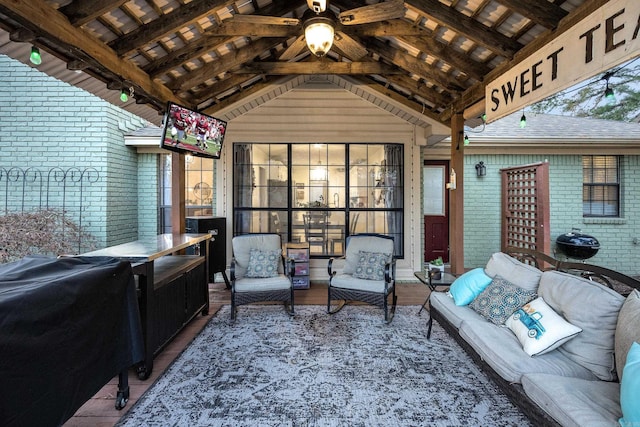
(42, 232)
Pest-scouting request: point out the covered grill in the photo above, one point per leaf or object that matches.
(577, 245)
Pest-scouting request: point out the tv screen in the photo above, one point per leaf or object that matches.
(191, 132)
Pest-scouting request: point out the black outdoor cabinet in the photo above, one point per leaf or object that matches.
(217, 227)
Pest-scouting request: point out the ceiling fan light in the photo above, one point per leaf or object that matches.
(319, 33)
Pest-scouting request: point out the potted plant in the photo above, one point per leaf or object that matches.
(437, 263)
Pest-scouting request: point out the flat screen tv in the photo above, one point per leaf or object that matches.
(191, 132)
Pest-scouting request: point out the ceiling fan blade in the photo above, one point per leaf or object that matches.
(350, 47)
(373, 13)
(265, 20)
(294, 49)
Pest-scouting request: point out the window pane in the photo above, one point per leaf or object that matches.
(601, 188)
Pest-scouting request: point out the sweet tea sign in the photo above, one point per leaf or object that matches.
(602, 40)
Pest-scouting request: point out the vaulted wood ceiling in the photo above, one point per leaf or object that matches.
(433, 56)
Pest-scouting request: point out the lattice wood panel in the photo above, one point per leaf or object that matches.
(525, 207)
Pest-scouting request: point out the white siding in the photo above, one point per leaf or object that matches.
(322, 111)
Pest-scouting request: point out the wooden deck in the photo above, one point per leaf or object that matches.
(100, 411)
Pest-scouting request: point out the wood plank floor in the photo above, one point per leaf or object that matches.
(100, 411)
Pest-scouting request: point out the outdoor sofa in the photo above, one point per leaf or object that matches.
(573, 375)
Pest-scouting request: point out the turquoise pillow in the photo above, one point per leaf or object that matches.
(468, 286)
(630, 388)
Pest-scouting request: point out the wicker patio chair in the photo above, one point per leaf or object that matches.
(368, 274)
(259, 272)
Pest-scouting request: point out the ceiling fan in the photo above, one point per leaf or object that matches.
(319, 24)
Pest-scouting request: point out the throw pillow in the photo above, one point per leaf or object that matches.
(370, 265)
(540, 329)
(500, 299)
(468, 286)
(630, 388)
(263, 264)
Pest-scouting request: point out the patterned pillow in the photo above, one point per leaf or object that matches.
(263, 263)
(370, 265)
(500, 299)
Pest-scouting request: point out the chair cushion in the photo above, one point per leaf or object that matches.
(371, 265)
(500, 299)
(627, 329)
(468, 286)
(592, 307)
(262, 284)
(540, 329)
(263, 263)
(357, 243)
(242, 249)
(347, 281)
(524, 275)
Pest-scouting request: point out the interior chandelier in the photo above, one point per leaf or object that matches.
(318, 33)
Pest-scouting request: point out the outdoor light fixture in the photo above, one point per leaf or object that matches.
(318, 33)
(523, 121)
(481, 169)
(125, 94)
(35, 56)
(466, 139)
(609, 95)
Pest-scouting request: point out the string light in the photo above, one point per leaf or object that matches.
(523, 121)
(35, 56)
(124, 96)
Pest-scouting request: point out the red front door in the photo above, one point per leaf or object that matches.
(436, 210)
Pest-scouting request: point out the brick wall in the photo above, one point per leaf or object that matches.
(50, 125)
(616, 236)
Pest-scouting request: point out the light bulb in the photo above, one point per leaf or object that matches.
(466, 139)
(35, 56)
(523, 121)
(124, 97)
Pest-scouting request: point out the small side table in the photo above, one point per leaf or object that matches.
(446, 279)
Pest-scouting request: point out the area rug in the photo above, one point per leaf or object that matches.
(315, 369)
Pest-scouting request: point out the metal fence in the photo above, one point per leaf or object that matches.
(25, 190)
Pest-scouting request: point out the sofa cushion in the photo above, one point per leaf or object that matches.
(540, 329)
(630, 388)
(446, 306)
(500, 348)
(468, 286)
(500, 299)
(593, 308)
(627, 329)
(524, 275)
(575, 402)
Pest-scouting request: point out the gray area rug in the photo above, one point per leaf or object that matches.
(347, 369)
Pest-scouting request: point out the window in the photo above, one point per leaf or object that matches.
(319, 193)
(198, 188)
(601, 186)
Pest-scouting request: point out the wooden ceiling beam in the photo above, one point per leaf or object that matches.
(447, 16)
(542, 13)
(166, 24)
(184, 54)
(317, 67)
(49, 23)
(79, 12)
(414, 65)
(225, 63)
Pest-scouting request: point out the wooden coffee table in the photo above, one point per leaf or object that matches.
(446, 279)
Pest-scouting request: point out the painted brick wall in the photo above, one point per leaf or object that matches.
(148, 172)
(50, 125)
(616, 236)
